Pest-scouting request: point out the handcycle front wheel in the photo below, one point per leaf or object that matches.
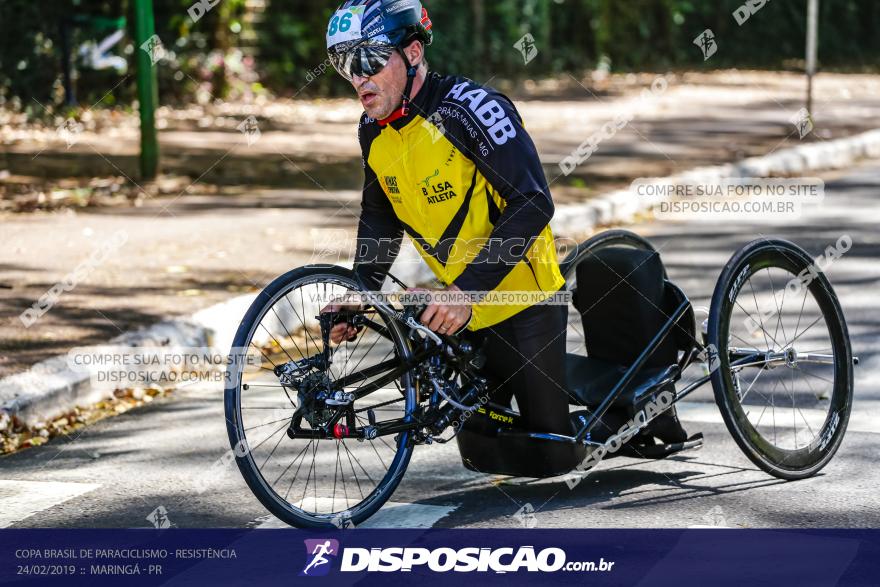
(782, 367)
(305, 480)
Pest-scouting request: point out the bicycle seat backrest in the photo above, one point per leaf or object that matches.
(624, 300)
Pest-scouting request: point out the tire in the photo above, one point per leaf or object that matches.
(294, 286)
(609, 238)
(747, 282)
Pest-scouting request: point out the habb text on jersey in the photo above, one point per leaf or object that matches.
(491, 114)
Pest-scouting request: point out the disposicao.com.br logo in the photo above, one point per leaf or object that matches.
(441, 560)
(318, 555)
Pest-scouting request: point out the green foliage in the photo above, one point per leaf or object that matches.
(477, 37)
(290, 43)
(201, 56)
(284, 48)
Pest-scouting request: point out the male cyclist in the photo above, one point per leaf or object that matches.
(448, 161)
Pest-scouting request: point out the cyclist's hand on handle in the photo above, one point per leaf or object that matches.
(446, 318)
(342, 331)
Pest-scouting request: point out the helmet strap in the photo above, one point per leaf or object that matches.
(411, 71)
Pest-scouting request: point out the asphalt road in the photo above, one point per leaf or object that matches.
(168, 456)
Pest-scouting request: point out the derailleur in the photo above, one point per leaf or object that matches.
(318, 404)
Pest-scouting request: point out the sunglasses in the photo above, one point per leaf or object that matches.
(364, 59)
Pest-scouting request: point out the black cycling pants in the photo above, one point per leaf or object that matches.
(526, 353)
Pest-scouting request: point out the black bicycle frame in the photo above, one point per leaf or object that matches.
(394, 368)
(633, 370)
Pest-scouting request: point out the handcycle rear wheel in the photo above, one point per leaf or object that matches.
(788, 410)
(310, 482)
(608, 238)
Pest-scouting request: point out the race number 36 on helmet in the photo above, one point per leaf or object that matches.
(363, 34)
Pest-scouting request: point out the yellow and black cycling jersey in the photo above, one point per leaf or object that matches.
(460, 175)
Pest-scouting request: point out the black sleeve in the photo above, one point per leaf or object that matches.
(379, 231)
(493, 136)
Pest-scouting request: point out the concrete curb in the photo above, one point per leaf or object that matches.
(621, 206)
(50, 387)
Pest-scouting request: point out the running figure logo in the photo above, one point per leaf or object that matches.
(706, 42)
(317, 553)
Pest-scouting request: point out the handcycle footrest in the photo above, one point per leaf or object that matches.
(661, 451)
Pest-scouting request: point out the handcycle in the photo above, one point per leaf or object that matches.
(323, 433)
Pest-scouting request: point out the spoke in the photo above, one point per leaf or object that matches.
(344, 488)
(775, 385)
(272, 386)
(302, 305)
(287, 468)
(266, 424)
(353, 472)
(793, 413)
(801, 313)
(793, 406)
(779, 307)
(264, 355)
(761, 415)
(773, 409)
(831, 381)
(268, 437)
(359, 465)
(760, 325)
(275, 339)
(284, 407)
(813, 434)
(382, 440)
(810, 428)
(292, 338)
(751, 385)
(309, 477)
(745, 342)
(378, 338)
(757, 309)
(274, 448)
(286, 329)
(802, 333)
(364, 381)
(356, 344)
(304, 325)
(296, 473)
(812, 389)
(335, 474)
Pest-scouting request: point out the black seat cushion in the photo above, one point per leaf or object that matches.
(589, 381)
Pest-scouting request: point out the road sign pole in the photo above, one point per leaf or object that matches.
(812, 48)
(148, 95)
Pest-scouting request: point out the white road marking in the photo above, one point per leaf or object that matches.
(22, 499)
(865, 416)
(392, 515)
